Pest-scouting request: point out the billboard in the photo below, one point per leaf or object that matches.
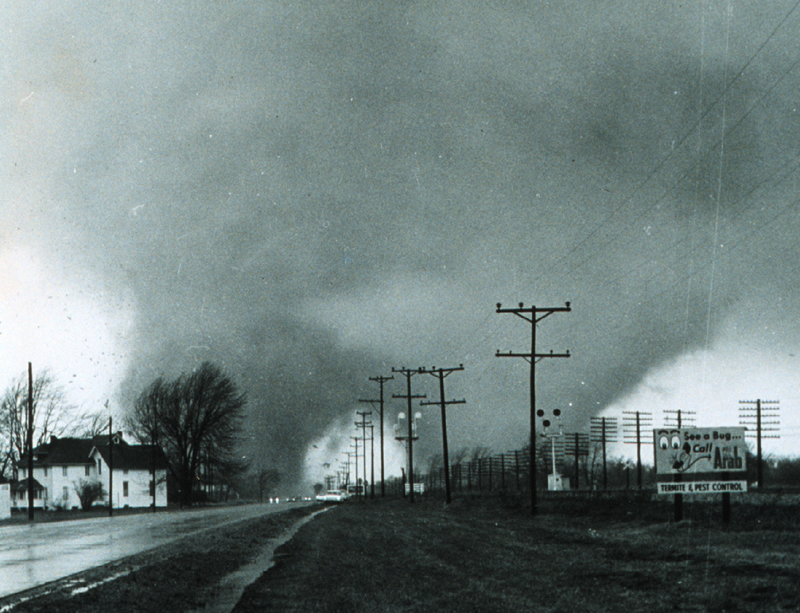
(710, 451)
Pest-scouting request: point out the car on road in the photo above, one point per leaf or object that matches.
(332, 496)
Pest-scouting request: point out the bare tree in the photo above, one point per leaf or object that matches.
(593, 465)
(458, 456)
(435, 463)
(479, 453)
(51, 416)
(92, 424)
(194, 418)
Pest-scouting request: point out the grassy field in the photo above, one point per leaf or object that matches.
(479, 554)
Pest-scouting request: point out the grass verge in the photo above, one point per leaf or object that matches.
(479, 555)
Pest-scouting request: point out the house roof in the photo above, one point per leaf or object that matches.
(60, 451)
(22, 486)
(78, 451)
(134, 457)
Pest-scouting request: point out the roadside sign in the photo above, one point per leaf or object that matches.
(699, 450)
(701, 487)
(700, 460)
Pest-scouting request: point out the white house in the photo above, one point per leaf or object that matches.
(61, 465)
(132, 484)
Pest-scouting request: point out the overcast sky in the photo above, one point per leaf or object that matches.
(310, 194)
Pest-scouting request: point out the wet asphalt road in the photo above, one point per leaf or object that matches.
(34, 554)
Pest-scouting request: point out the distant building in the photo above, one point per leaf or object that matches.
(60, 465)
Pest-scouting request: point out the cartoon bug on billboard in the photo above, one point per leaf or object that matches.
(699, 450)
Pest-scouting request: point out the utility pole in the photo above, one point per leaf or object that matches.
(603, 430)
(636, 420)
(110, 469)
(533, 316)
(747, 415)
(441, 373)
(347, 473)
(363, 425)
(154, 440)
(381, 381)
(30, 441)
(577, 445)
(408, 373)
(680, 416)
(372, 461)
(355, 441)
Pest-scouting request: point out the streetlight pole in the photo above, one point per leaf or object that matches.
(412, 436)
(552, 437)
(408, 373)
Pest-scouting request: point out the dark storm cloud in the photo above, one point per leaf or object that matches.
(309, 195)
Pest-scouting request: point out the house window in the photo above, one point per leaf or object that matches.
(65, 492)
(152, 487)
(88, 470)
(45, 471)
(99, 467)
(64, 471)
(124, 489)
(125, 471)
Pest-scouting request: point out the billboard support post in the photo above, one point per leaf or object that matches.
(726, 502)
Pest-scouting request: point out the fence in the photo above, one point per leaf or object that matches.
(508, 473)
